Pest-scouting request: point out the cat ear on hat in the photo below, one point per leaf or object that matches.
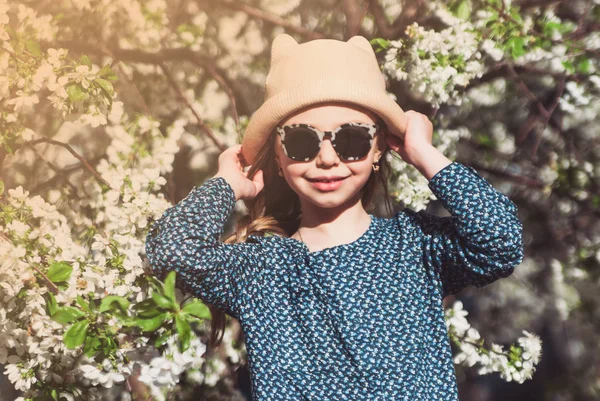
(362, 42)
(281, 46)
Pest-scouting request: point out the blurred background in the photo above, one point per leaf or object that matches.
(112, 110)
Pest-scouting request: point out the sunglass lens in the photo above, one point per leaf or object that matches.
(353, 143)
(301, 143)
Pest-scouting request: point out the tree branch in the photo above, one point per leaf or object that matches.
(183, 54)
(75, 154)
(355, 15)
(206, 129)
(272, 19)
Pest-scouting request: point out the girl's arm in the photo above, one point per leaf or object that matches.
(186, 239)
(480, 242)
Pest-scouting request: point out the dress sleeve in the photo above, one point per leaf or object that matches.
(186, 239)
(480, 242)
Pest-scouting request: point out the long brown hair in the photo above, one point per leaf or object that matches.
(277, 208)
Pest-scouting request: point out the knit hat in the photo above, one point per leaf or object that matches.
(317, 71)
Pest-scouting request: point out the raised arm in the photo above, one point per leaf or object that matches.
(186, 239)
(480, 242)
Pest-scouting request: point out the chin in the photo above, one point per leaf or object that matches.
(328, 200)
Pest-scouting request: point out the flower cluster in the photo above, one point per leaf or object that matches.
(162, 373)
(436, 64)
(517, 363)
(410, 186)
(78, 91)
(38, 236)
(105, 375)
(61, 259)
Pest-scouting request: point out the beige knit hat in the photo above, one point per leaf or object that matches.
(318, 71)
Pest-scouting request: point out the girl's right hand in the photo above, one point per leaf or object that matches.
(231, 169)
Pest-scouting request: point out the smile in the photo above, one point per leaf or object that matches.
(329, 184)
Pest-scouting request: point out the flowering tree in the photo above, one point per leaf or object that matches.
(107, 107)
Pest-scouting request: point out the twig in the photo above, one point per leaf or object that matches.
(354, 16)
(409, 13)
(108, 52)
(273, 19)
(206, 129)
(70, 149)
(183, 54)
(51, 286)
(529, 182)
(528, 93)
(55, 169)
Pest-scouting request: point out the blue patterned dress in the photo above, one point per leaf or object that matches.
(358, 321)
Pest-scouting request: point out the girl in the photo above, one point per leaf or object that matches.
(335, 302)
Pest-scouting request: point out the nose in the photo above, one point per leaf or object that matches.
(327, 154)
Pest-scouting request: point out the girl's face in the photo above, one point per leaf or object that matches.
(298, 174)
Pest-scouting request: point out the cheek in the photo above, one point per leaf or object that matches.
(362, 167)
(364, 172)
(293, 170)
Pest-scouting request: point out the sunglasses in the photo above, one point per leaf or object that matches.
(351, 141)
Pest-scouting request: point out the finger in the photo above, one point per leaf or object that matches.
(394, 140)
(258, 181)
(241, 157)
(230, 158)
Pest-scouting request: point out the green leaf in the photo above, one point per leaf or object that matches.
(76, 334)
(67, 314)
(148, 313)
(170, 286)
(107, 73)
(160, 341)
(550, 26)
(106, 86)
(51, 305)
(514, 12)
(86, 61)
(106, 70)
(156, 284)
(22, 293)
(114, 301)
(84, 305)
(197, 309)
(33, 47)
(516, 45)
(185, 332)
(162, 301)
(463, 10)
(379, 44)
(75, 93)
(144, 305)
(583, 66)
(1, 187)
(92, 346)
(111, 76)
(153, 323)
(59, 272)
(568, 64)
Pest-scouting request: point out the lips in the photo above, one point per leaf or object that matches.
(326, 179)
(327, 185)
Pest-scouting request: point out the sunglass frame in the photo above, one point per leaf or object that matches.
(371, 130)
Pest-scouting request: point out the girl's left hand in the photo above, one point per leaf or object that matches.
(418, 137)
